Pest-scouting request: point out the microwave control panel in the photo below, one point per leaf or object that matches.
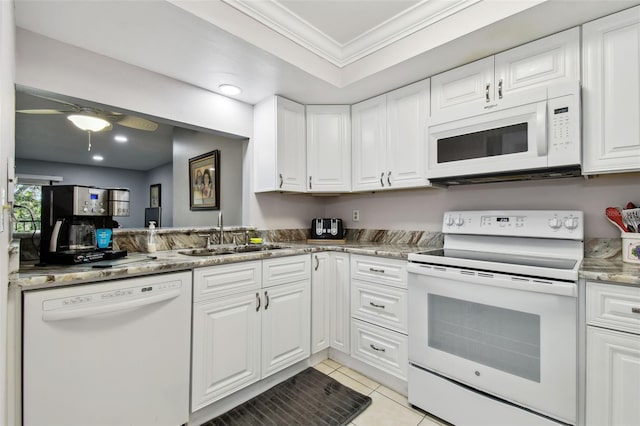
(563, 115)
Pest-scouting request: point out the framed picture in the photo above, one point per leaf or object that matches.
(155, 195)
(204, 181)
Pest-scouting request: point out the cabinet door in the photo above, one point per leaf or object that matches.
(613, 378)
(286, 326)
(611, 93)
(321, 274)
(339, 303)
(329, 148)
(291, 145)
(463, 91)
(407, 115)
(369, 139)
(226, 347)
(553, 59)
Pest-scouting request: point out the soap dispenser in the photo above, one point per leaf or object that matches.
(151, 238)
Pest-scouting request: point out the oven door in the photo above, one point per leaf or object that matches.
(506, 140)
(508, 336)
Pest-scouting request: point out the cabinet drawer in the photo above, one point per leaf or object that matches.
(225, 280)
(379, 270)
(614, 306)
(382, 305)
(381, 348)
(284, 270)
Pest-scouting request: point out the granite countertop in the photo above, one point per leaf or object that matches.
(31, 277)
(608, 266)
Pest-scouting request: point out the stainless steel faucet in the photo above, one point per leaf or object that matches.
(221, 237)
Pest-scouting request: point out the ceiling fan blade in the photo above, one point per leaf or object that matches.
(137, 123)
(42, 111)
(71, 104)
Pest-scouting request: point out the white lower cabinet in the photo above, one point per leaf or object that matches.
(330, 301)
(613, 355)
(241, 338)
(379, 313)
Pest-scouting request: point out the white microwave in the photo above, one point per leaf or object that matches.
(538, 131)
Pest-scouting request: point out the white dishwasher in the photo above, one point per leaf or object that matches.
(114, 353)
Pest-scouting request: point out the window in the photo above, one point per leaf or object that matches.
(28, 196)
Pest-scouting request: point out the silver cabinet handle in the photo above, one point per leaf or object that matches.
(635, 310)
(309, 182)
(377, 349)
(376, 305)
(257, 302)
(317, 263)
(486, 92)
(281, 180)
(382, 177)
(500, 89)
(389, 178)
(266, 304)
(376, 270)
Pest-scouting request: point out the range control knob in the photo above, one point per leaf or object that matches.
(571, 222)
(448, 220)
(555, 223)
(459, 221)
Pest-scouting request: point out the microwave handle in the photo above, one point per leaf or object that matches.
(541, 128)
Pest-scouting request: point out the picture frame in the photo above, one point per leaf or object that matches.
(203, 168)
(155, 195)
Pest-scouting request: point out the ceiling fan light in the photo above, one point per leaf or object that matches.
(88, 123)
(230, 89)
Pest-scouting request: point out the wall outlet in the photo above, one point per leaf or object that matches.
(356, 216)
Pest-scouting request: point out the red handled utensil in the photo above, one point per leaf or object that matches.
(615, 217)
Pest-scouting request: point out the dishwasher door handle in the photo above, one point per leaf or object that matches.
(71, 313)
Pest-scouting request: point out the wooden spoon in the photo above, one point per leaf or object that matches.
(615, 217)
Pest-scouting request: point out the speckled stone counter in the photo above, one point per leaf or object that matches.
(137, 264)
(603, 262)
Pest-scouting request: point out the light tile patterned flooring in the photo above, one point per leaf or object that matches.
(387, 406)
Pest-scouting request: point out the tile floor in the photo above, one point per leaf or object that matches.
(387, 406)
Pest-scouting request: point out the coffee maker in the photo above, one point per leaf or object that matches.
(76, 225)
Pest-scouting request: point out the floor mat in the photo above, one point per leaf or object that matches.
(308, 398)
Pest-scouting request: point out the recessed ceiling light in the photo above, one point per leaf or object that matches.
(229, 89)
(98, 158)
(120, 138)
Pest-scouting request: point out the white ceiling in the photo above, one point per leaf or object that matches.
(310, 51)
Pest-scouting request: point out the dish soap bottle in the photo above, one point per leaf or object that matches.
(151, 238)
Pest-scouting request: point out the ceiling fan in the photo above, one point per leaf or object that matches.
(91, 119)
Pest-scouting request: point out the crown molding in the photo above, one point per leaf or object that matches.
(283, 21)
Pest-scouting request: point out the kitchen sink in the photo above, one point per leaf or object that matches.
(217, 251)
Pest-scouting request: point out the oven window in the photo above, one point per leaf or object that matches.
(488, 143)
(503, 339)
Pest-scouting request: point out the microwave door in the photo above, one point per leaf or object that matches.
(501, 141)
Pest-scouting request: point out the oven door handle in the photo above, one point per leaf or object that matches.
(495, 279)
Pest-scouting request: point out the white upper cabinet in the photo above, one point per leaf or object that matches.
(389, 139)
(611, 93)
(279, 145)
(488, 83)
(328, 148)
(369, 120)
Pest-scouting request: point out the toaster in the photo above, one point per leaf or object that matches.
(329, 229)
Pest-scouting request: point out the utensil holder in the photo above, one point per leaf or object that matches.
(631, 247)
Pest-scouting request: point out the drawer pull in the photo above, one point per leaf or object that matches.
(376, 270)
(376, 305)
(377, 349)
(635, 310)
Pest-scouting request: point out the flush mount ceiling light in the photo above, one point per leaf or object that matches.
(230, 89)
(120, 138)
(89, 123)
(98, 157)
